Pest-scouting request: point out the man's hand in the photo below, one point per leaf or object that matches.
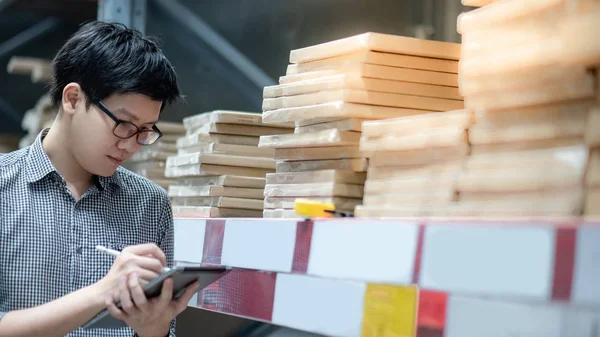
(148, 317)
(147, 261)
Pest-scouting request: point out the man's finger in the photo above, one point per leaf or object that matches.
(148, 249)
(125, 297)
(112, 308)
(137, 293)
(166, 294)
(149, 263)
(182, 302)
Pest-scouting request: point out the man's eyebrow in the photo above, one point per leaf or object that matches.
(133, 117)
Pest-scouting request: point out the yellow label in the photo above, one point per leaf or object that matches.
(390, 311)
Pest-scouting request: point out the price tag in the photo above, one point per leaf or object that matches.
(390, 311)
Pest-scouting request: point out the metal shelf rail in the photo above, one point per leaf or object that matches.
(356, 277)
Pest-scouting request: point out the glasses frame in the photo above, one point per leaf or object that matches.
(120, 121)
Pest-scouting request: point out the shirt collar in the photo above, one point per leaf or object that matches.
(39, 166)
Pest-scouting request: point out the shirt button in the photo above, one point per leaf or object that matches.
(79, 250)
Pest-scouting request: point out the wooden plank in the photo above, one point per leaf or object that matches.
(318, 176)
(214, 212)
(214, 170)
(343, 204)
(337, 110)
(413, 124)
(356, 81)
(379, 72)
(201, 138)
(418, 156)
(280, 214)
(314, 190)
(318, 153)
(516, 180)
(330, 137)
(419, 185)
(224, 180)
(349, 124)
(377, 42)
(378, 173)
(221, 202)
(355, 165)
(363, 97)
(220, 159)
(438, 137)
(378, 58)
(241, 130)
(228, 149)
(224, 117)
(416, 198)
(521, 147)
(215, 191)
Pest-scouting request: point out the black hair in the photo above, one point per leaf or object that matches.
(109, 58)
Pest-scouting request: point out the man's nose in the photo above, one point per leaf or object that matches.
(128, 145)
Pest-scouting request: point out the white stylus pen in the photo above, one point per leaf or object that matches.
(116, 253)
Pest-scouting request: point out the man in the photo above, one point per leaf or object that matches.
(65, 194)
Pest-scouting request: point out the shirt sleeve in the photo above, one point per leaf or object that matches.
(166, 241)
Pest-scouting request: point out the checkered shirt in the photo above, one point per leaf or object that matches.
(48, 240)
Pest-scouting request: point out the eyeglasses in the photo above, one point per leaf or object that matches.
(125, 130)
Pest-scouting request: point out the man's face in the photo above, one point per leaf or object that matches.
(95, 146)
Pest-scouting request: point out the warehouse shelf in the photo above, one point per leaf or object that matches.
(475, 277)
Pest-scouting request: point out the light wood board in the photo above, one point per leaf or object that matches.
(413, 124)
(355, 165)
(318, 120)
(376, 173)
(214, 170)
(214, 212)
(350, 124)
(432, 138)
(314, 190)
(362, 97)
(356, 81)
(440, 155)
(372, 57)
(341, 204)
(378, 42)
(337, 110)
(280, 214)
(556, 92)
(318, 153)
(240, 130)
(332, 137)
(324, 176)
(228, 149)
(416, 198)
(200, 138)
(520, 147)
(379, 72)
(225, 117)
(224, 180)
(220, 159)
(515, 180)
(224, 202)
(418, 185)
(215, 191)
(171, 127)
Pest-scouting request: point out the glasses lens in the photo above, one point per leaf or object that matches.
(148, 137)
(125, 130)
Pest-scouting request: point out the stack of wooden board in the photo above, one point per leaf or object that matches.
(328, 91)
(414, 163)
(40, 117)
(219, 168)
(531, 140)
(149, 161)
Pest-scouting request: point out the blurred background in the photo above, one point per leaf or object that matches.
(225, 52)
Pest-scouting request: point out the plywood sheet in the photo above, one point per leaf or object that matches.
(393, 159)
(280, 214)
(548, 130)
(215, 191)
(376, 173)
(220, 159)
(593, 173)
(379, 58)
(416, 198)
(317, 120)
(171, 127)
(377, 42)
(214, 212)
(314, 190)
(419, 185)
(355, 165)
(349, 124)
(341, 204)
(379, 72)
(356, 81)
(521, 147)
(202, 138)
(318, 153)
(195, 170)
(332, 137)
(225, 117)
(225, 202)
(228, 149)
(223, 180)
(556, 92)
(569, 193)
(515, 180)
(414, 124)
(337, 110)
(240, 130)
(362, 97)
(438, 137)
(320, 176)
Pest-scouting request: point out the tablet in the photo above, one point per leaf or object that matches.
(182, 277)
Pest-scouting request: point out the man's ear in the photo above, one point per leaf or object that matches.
(72, 95)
